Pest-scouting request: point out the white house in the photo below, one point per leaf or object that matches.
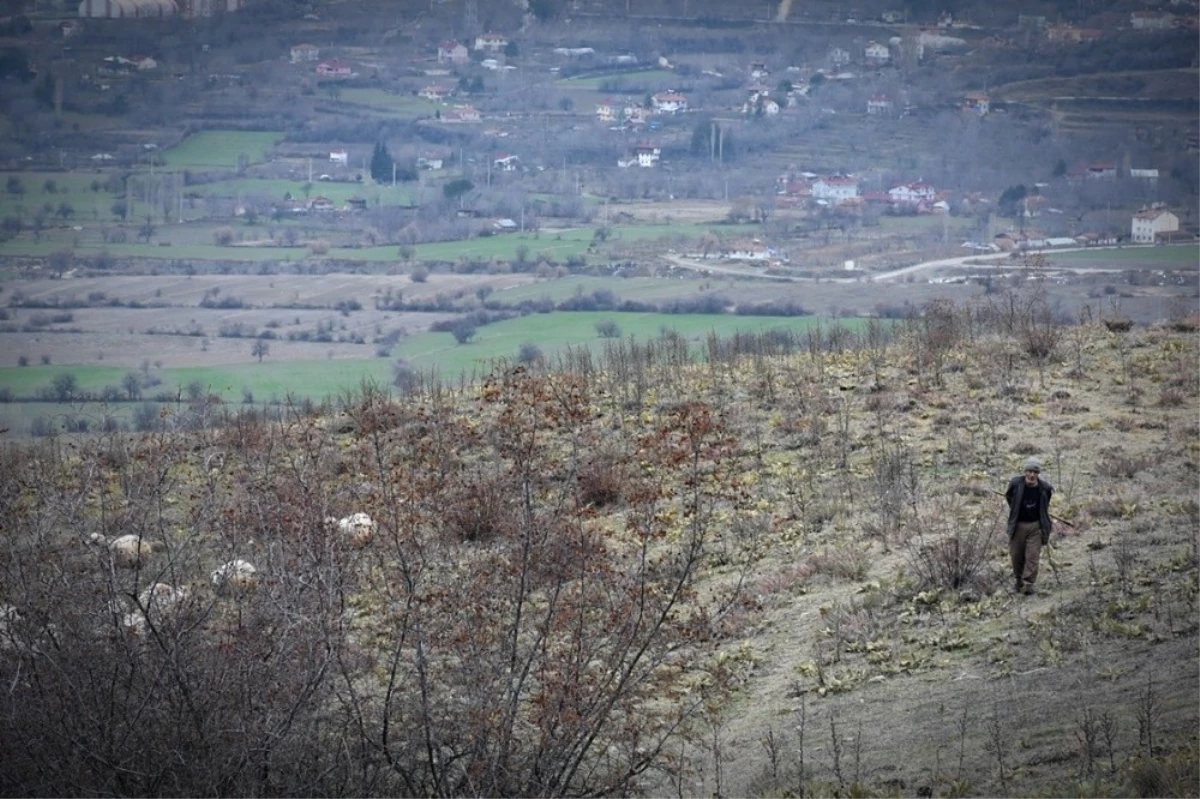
(606, 111)
(1151, 20)
(746, 250)
(340, 157)
(838, 57)
(461, 113)
(506, 163)
(304, 52)
(1148, 224)
(647, 155)
(879, 104)
(429, 161)
(669, 102)
(491, 42)
(912, 193)
(876, 53)
(452, 52)
(836, 189)
(434, 91)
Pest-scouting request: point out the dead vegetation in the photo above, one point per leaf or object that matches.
(776, 572)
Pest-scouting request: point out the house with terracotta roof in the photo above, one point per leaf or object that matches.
(977, 103)
(452, 52)
(461, 113)
(1150, 224)
(669, 102)
(334, 69)
(879, 105)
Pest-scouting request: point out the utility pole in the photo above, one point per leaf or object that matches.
(393, 174)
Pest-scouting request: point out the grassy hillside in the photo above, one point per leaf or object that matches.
(779, 571)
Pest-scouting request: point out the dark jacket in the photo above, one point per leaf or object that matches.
(1014, 495)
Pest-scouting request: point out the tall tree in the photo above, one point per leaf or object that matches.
(381, 163)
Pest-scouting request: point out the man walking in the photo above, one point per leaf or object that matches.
(1029, 526)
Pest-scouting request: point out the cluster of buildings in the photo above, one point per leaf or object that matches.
(844, 191)
(155, 9)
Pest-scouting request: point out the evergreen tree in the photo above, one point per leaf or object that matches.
(381, 164)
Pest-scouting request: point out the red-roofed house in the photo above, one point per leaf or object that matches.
(452, 53)
(879, 104)
(1147, 225)
(462, 113)
(669, 102)
(333, 69)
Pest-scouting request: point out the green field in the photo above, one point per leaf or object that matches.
(375, 194)
(275, 380)
(72, 188)
(1176, 256)
(221, 148)
(392, 104)
(656, 79)
(556, 245)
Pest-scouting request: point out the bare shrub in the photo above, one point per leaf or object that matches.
(943, 551)
(318, 247)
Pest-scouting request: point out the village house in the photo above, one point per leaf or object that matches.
(339, 157)
(876, 53)
(435, 92)
(634, 114)
(506, 163)
(1072, 34)
(1151, 20)
(490, 43)
(452, 52)
(836, 190)
(1102, 171)
(1149, 225)
(606, 111)
(304, 52)
(333, 69)
(320, 204)
(669, 102)
(505, 225)
(977, 103)
(758, 70)
(912, 193)
(838, 57)
(356, 204)
(745, 250)
(461, 113)
(879, 104)
(644, 155)
(429, 161)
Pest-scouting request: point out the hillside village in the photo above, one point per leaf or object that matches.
(498, 107)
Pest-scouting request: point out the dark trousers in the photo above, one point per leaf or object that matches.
(1025, 548)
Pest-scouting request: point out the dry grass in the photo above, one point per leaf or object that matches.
(874, 646)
